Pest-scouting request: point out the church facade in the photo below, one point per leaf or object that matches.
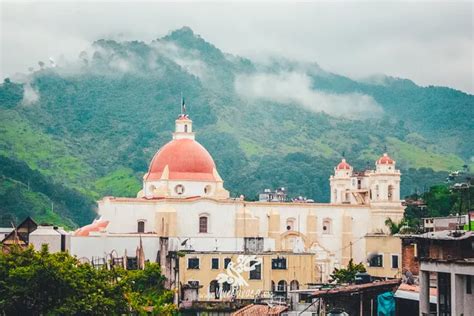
(185, 219)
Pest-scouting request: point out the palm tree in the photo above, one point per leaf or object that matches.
(394, 227)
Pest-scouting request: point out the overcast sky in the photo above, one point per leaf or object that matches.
(428, 42)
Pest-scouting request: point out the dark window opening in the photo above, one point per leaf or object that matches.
(281, 287)
(376, 261)
(279, 263)
(141, 227)
(215, 263)
(193, 263)
(255, 274)
(394, 261)
(226, 262)
(203, 224)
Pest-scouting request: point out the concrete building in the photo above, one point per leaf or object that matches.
(435, 224)
(445, 261)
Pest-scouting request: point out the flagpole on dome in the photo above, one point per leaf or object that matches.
(183, 106)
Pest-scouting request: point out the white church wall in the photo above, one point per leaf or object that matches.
(221, 218)
(123, 216)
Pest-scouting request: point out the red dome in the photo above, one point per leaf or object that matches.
(343, 165)
(385, 160)
(186, 160)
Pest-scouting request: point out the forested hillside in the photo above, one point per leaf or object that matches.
(89, 127)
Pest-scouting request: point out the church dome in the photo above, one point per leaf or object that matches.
(385, 160)
(343, 165)
(184, 159)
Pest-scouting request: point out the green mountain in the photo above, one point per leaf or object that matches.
(92, 125)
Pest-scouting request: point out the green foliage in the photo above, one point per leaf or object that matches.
(347, 275)
(26, 192)
(121, 182)
(41, 283)
(396, 228)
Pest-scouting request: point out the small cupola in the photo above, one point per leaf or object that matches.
(184, 127)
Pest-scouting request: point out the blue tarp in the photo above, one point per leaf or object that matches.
(386, 304)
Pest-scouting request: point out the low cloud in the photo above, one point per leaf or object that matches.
(30, 94)
(296, 88)
(189, 60)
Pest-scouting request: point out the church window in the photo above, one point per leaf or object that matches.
(279, 263)
(185, 128)
(203, 224)
(290, 224)
(179, 189)
(193, 263)
(226, 262)
(207, 189)
(151, 189)
(141, 226)
(390, 192)
(327, 226)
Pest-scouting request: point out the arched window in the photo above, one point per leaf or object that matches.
(179, 189)
(207, 189)
(281, 286)
(273, 286)
(141, 226)
(390, 192)
(185, 128)
(294, 285)
(203, 224)
(151, 189)
(290, 223)
(327, 226)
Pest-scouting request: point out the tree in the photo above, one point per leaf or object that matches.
(41, 283)
(348, 274)
(394, 227)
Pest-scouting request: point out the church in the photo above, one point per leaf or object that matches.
(184, 218)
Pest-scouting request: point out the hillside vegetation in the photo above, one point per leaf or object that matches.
(92, 125)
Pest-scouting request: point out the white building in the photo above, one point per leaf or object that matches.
(184, 200)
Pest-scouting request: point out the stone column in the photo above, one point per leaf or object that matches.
(424, 293)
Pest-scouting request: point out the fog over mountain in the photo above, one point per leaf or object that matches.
(427, 42)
